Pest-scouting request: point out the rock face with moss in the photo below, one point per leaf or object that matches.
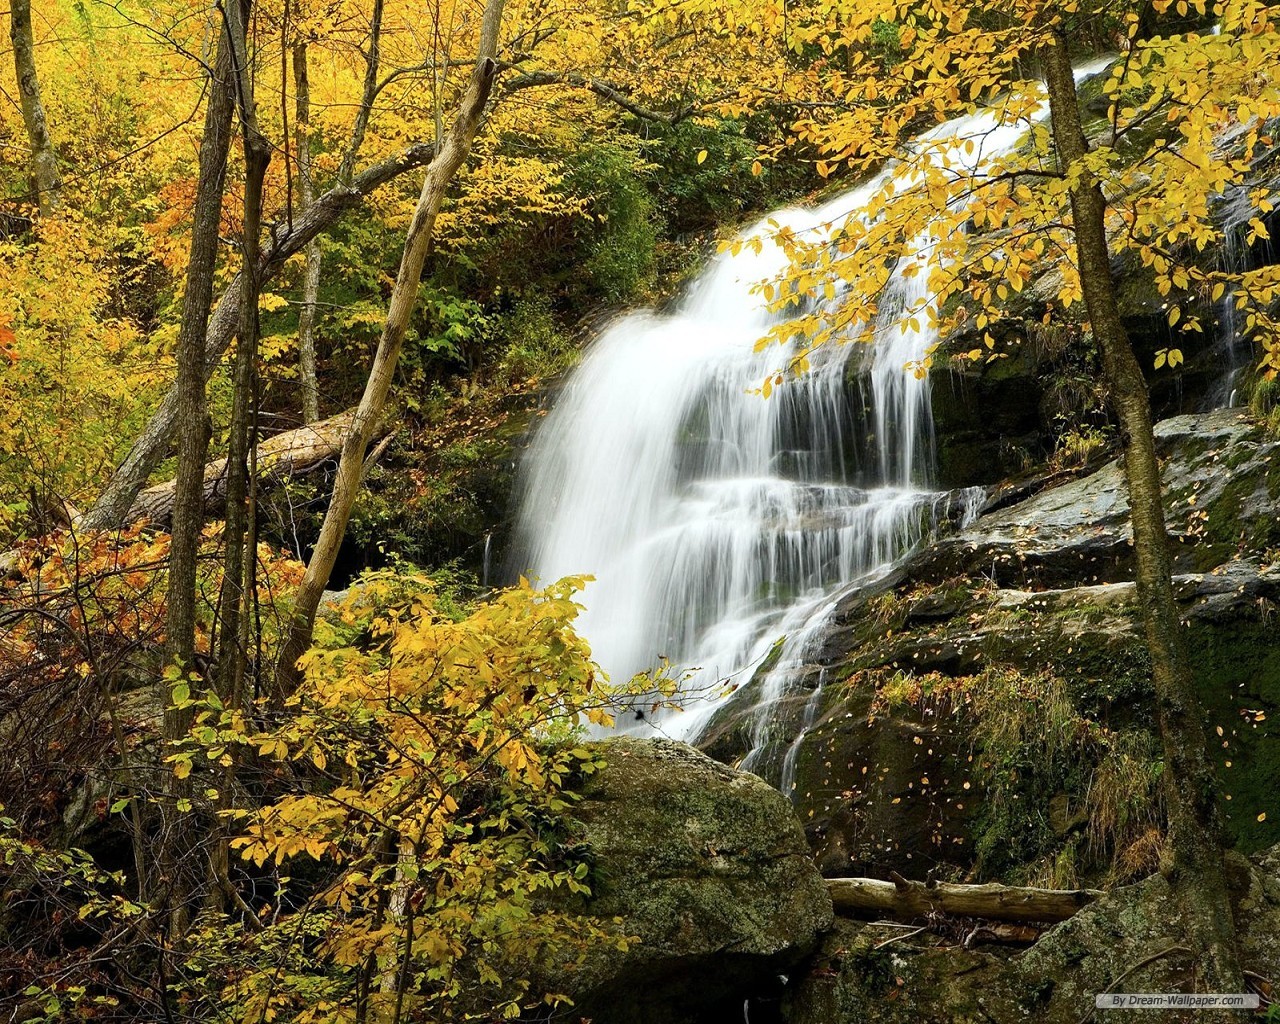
(1130, 941)
(709, 870)
(983, 710)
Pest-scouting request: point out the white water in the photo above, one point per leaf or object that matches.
(1233, 347)
(715, 521)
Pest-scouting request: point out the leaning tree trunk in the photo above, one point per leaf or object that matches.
(1190, 784)
(112, 507)
(44, 161)
(453, 151)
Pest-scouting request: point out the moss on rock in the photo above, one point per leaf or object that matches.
(708, 869)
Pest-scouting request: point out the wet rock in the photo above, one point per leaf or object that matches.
(1222, 494)
(1040, 586)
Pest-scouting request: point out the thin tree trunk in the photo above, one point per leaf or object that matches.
(452, 152)
(1190, 783)
(44, 161)
(177, 841)
(231, 654)
(192, 414)
(373, 60)
(111, 509)
(311, 279)
(257, 154)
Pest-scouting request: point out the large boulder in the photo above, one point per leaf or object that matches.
(708, 868)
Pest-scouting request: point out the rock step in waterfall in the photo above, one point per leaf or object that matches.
(716, 522)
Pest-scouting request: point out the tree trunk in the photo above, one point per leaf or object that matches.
(44, 161)
(233, 626)
(311, 279)
(179, 853)
(369, 92)
(452, 152)
(909, 900)
(191, 411)
(1190, 784)
(112, 507)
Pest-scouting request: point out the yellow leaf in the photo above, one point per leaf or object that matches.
(702, 155)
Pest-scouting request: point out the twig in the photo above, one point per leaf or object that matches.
(1136, 967)
(372, 458)
(899, 938)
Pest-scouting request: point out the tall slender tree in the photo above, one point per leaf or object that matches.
(311, 276)
(177, 842)
(1195, 831)
(889, 67)
(44, 160)
(452, 151)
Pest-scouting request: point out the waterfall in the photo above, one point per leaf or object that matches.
(1236, 257)
(715, 521)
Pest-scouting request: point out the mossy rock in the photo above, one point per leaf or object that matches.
(1039, 586)
(708, 868)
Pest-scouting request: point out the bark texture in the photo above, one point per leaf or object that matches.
(44, 161)
(1191, 787)
(311, 278)
(238, 534)
(190, 409)
(180, 856)
(453, 150)
(905, 899)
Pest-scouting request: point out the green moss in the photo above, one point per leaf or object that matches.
(1237, 671)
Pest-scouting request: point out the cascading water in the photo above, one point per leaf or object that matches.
(1236, 257)
(716, 521)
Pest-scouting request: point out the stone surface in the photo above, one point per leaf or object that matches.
(858, 979)
(1222, 488)
(1041, 583)
(709, 869)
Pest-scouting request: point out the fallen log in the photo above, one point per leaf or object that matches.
(906, 899)
(284, 456)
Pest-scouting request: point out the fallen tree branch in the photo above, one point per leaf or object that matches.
(287, 455)
(905, 899)
(112, 507)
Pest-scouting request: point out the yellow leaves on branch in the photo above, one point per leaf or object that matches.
(433, 756)
(1190, 114)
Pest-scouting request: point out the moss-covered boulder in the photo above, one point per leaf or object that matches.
(1129, 941)
(709, 870)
